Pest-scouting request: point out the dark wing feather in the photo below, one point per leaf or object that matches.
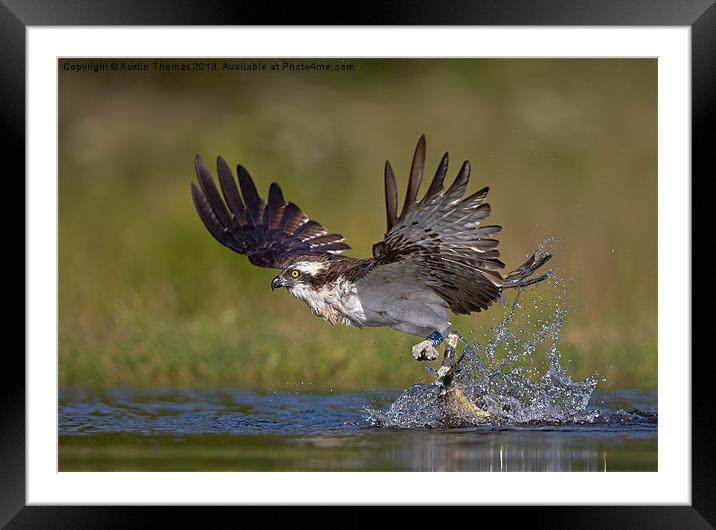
(272, 234)
(439, 177)
(254, 204)
(416, 175)
(229, 189)
(441, 239)
(276, 207)
(391, 196)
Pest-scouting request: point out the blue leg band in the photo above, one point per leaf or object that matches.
(436, 337)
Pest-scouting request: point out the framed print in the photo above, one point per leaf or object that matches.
(199, 330)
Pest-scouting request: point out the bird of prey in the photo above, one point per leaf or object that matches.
(437, 255)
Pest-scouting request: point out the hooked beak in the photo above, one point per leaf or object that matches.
(277, 282)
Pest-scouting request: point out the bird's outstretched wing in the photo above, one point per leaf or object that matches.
(441, 240)
(272, 234)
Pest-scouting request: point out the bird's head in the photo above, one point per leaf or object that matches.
(298, 275)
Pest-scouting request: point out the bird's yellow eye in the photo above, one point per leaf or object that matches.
(295, 273)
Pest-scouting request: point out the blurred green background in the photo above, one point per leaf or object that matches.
(148, 298)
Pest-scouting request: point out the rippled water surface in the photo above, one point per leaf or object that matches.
(224, 429)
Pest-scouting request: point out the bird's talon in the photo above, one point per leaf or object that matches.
(445, 375)
(425, 351)
(443, 371)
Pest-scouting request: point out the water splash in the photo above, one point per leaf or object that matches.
(517, 378)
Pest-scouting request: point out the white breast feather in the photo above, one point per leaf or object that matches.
(334, 302)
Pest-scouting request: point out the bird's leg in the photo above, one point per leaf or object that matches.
(454, 397)
(426, 349)
(450, 345)
(446, 372)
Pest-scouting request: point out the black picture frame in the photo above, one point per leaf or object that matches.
(16, 15)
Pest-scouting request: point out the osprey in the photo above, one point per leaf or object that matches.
(437, 255)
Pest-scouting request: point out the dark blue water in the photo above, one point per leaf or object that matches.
(223, 429)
